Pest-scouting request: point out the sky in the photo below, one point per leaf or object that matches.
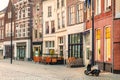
(3, 4)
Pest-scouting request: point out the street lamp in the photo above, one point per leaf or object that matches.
(11, 28)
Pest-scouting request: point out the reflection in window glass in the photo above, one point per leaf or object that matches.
(72, 39)
(75, 38)
(78, 39)
(78, 50)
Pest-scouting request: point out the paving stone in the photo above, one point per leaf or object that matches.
(23, 70)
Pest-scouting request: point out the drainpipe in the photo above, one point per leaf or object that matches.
(112, 36)
(93, 62)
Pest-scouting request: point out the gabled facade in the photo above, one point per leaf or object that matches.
(9, 20)
(61, 28)
(37, 33)
(23, 29)
(49, 36)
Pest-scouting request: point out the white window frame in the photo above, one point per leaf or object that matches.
(98, 7)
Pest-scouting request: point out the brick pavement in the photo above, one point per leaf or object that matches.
(22, 70)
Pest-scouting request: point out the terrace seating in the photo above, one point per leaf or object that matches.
(37, 59)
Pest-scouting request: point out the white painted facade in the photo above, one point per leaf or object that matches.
(50, 36)
(62, 31)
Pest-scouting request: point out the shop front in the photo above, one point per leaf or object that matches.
(37, 51)
(21, 51)
(75, 49)
(8, 51)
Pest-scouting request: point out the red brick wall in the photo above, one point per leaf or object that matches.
(117, 56)
(100, 21)
(117, 44)
(116, 30)
(100, 24)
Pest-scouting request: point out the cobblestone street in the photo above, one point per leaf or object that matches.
(21, 70)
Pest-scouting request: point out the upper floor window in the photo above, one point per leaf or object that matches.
(58, 4)
(107, 5)
(62, 3)
(35, 33)
(47, 27)
(40, 34)
(117, 8)
(98, 7)
(9, 14)
(58, 21)
(79, 13)
(37, 7)
(49, 11)
(52, 27)
(63, 19)
(71, 15)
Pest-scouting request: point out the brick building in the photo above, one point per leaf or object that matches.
(107, 14)
(37, 31)
(23, 29)
(2, 15)
(116, 36)
(8, 19)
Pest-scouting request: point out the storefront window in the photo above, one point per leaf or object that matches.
(75, 38)
(76, 47)
(108, 43)
(98, 43)
(50, 47)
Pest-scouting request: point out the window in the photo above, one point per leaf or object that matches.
(37, 7)
(98, 44)
(23, 12)
(71, 15)
(58, 4)
(63, 19)
(58, 20)
(20, 14)
(9, 14)
(75, 46)
(98, 7)
(8, 29)
(35, 33)
(52, 27)
(62, 3)
(79, 13)
(117, 8)
(47, 27)
(60, 40)
(49, 11)
(50, 47)
(40, 34)
(107, 44)
(107, 5)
